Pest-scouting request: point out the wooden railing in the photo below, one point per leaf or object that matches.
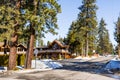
(18, 52)
(53, 51)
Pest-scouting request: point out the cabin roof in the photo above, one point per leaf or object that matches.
(20, 45)
(52, 43)
(59, 43)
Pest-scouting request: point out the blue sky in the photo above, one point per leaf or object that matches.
(109, 10)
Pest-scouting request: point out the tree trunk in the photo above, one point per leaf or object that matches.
(119, 50)
(86, 45)
(82, 50)
(12, 58)
(13, 51)
(26, 59)
(29, 55)
(13, 42)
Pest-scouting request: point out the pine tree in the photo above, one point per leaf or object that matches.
(10, 22)
(104, 45)
(41, 15)
(72, 36)
(117, 35)
(82, 33)
(33, 17)
(88, 24)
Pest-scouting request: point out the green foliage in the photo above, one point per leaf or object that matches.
(9, 17)
(71, 37)
(82, 32)
(26, 18)
(104, 45)
(4, 60)
(41, 14)
(117, 31)
(41, 18)
(21, 59)
(117, 35)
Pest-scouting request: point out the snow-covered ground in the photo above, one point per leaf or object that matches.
(45, 64)
(113, 64)
(3, 69)
(85, 58)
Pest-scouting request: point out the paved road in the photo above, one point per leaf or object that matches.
(57, 75)
(94, 65)
(73, 69)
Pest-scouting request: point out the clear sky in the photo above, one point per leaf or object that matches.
(109, 10)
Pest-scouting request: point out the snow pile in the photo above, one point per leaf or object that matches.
(79, 57)
(3, 69)
(113, 64)
(85, 58)
(20, 67)
(45, 63)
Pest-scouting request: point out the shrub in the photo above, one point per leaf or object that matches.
(4, 59)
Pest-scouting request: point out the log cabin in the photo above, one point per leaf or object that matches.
(20, 49)
(55, 50)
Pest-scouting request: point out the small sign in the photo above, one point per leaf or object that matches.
(93, 51)
(36, 51)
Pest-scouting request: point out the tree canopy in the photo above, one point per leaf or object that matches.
(117, 34)
(27, 19)
(84, 28)
(104, 44)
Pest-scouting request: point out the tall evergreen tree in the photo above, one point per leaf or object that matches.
(101, 36)
(10, 22)
(104, 45)
(82, 33)
(72, 38)
(117, 34)
(86, 25)
(34, 16)
(41, 15)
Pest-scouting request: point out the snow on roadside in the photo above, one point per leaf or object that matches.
(3, 69)
(113, 64)
(45, 64)
(85, 58)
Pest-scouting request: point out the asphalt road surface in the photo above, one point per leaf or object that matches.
(73, 69)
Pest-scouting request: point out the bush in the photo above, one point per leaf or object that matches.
(4, 59)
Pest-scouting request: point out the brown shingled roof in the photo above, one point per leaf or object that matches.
(59, 43)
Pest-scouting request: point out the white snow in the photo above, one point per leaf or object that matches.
(19, 67)
(113, 64)
(85, 58)
(3, 69)
(45, 64)
(37, 65)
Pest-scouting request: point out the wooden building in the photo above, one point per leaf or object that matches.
(55, 50)
(20, 49)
